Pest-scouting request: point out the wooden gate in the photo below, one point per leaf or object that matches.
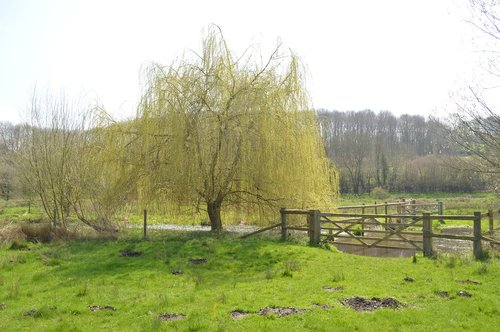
(368, 231)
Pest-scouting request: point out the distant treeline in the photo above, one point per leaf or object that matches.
(406, 153)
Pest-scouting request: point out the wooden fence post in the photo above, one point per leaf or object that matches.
(427, 234)
(376, 211)
(55, 217)
(440, 211)
(145, 223)
(363, 221)
(400, 210)
(385, 211)
(314, 227)
(477, 235)
(490, 222)
(283, 224)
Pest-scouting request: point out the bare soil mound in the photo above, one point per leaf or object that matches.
(236, 314)
(98, 307)
(198, 261)
(171, 316)
(280, 312)
(130, 253)
(361, 304)
(333, 289)
(470, 282)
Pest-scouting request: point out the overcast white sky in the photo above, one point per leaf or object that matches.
(396, 55)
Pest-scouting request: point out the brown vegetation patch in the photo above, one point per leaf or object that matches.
(361, 304)
(9, 234)
(471, 282)
(171, 316)
(333, 289)
(280, 312)
(130, 253)
(98, 307)
(464, 293)
(236, 314)
(3, 306)
(198, 261)
(46, 233)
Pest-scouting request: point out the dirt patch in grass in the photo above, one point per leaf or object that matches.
(333, 289)
(361, 304)
(470, 282)
(198, 261)
(280, 312)
(321, 306)
(177, 272)
(237, 314)
(3, 306)
(443, 294)
(171, 316)
(98, 307)
(33, 313)
(464, 293)
(130, 253)
(408, 279)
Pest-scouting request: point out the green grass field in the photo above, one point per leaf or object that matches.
(454, 203)
(51, 286)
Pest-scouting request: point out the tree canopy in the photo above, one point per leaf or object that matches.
(218, 130)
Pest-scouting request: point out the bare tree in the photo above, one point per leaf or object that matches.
(477, 121)
(63, 156)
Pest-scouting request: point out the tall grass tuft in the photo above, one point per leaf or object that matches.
(13, 289)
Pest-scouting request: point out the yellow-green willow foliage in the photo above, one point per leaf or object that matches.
(217, 130)
(107, 174)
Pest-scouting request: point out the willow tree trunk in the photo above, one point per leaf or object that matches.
(213, 209)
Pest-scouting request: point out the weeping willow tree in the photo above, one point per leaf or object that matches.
(218, 130)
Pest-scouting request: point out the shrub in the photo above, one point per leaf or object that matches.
(11, 234)
(379, 193)
(46, 233)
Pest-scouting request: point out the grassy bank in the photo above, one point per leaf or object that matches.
(50, 287)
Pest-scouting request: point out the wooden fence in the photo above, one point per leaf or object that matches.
(401, 207)
(398, 231)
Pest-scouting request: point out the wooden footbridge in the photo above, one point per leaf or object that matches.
(404, 230)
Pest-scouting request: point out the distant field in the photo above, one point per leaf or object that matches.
(133, 285)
